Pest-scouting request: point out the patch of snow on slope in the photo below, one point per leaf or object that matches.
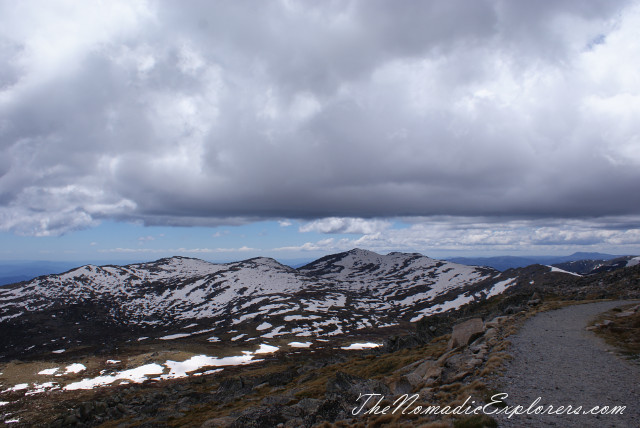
(136, 375)
(555, 269)
(18, 387)
(277, 332)
(300, 344)
(174, 336)
(39, 388)
(49, 371)
(633, 262)
(179, 369)
(75, 368)
(301, 317)
(263, 326)
(463, 299)
(500, 287)
(359, 346)
(266, 349)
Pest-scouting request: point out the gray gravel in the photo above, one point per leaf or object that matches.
(556, 359)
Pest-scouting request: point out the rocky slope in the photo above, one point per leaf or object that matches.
(255, 299)
(173, 383)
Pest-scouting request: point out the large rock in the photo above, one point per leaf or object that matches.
(466, 332)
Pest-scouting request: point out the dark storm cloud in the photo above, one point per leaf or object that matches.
(227, 112)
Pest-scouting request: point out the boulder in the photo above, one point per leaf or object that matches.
(625, 314)
(433, 373)
(421, 370)
(308, 405)
(400, 386)
(466, 332)
(496, 321)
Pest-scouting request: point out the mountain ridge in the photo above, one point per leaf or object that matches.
(335, 295)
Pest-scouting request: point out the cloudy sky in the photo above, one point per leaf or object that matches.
(224, 130)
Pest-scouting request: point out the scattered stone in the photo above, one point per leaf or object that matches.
(400, 386)
(466, 332)
(625, 314)
(490, 333)
(496, 321)
(474, 362)
(309, 405)
(421, 370)
(433, 373)
(512, 310)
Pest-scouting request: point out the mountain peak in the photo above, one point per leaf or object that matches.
(362, 252)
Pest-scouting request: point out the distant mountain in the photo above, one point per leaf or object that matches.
(255, 299)
(590, 266)
(503, 263)
(251, 300)
(16, 271)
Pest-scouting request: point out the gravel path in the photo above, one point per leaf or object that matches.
(556, 359)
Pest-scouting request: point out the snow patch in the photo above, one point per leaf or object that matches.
(500, 287)
(266, 349)
(174, 336)
(300, 344)
(39, 388)
(263, 326)
(18, 387)
(301, 317)
(75, 368)
(179, 369)
(359, 346)
(49, 372)
(463, 299)
(633, 262)
(555, 269)
(137, 375)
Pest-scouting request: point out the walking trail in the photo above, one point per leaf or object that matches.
(555, 358)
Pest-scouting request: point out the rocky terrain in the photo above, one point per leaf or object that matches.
(190, 371)
(252, 300)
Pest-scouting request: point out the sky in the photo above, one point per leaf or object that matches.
(289, 129)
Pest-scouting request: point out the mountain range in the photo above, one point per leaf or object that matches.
(254, 299)
(502, 263)
(250, 300)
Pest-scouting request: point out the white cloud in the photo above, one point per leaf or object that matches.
(243, 249)
(338, 113)
(449, 235)
(345, 225)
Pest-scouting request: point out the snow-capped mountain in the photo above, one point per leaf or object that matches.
(253, 299)
(590, 266)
